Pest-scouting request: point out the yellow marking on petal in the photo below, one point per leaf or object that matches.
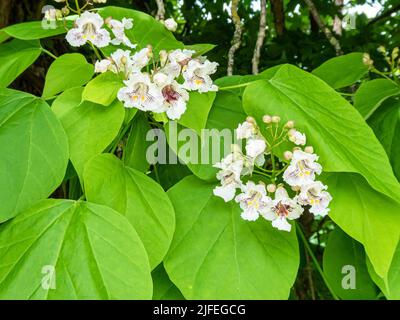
(198, 81)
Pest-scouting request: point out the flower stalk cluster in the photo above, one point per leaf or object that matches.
(155, 85)
(292, 186)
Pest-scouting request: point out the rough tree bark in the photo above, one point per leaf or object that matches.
(160, 10)
(236, 41)
(278, 14)
(260, 37)
(328, 33)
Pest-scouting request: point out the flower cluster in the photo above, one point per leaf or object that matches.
(296, 171)
(158, 90)
(90, 27)
(163, 87)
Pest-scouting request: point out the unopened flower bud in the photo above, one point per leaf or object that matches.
(382, 49)
(150, 48)
(65, 11)
(267, 119)
(251, 120)
(171, 24)
(290, 124)
(163, 57)
(107, 21)
(288, 155)
(309, 149)
(124, 60)
(367, 60)
(271, 188)
(296, 188)
(395, 53)
(276, 119)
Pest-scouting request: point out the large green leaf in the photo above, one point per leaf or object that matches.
(145, 204)
(386, 125)
(90, 251)
(342, 71)
(34, 152)
(146, 30)
(103, 89)
(372, 93)
(215, 254)
(337, 131)
(90, 127)
(68, 71)
(391, 285)
(367, 216)
(163, 288)
(136, 145)
(225, 114)
(344, 142)
(341, 252)
(198, 108)
(15, 57)
(34, 30)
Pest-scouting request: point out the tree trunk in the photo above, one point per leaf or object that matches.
(279, 16)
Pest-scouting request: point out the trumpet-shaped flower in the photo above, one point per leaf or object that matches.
(118, 28)
(175, 97)
(282, 208)
(253, 200)
(302, 169)
(140, 59)
(246, 130)
(171, 24)
(141, 93)
(88, 27)
(297, 137)
(177, 59)
(314, 195)
(197, 76)
(229, 175)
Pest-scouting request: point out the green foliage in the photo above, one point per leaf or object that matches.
(15, 57)
(103, 89)
(90, 127)
(342, 71)
(342, 251)
(211, 254)
(85, 215)
(66, 72)
(34, 152)
(96, 253)
(144, 203)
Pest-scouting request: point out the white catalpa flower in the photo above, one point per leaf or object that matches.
(118, 28)
(245, 130)
(88, 27)
(253, 201)
(314, 194)
(141, 93)
(175, 96)
(302, 169)
(119, 61)
(297, 137)
(229, 175)
(102, 66)
(255, 147)
(171, 24)
(197, 76)
(141, 59)
(177, 59)
(281, 209)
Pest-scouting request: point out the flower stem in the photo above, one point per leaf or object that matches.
(78, 9)
(49, 53)
(96, 52)
(314, 259)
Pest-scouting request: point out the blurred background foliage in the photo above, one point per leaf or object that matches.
(292, 34)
